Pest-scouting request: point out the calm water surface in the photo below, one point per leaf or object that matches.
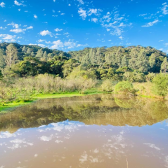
(96, 131)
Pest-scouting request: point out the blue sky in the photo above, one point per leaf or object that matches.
(76, 24)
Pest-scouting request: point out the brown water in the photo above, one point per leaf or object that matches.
(86, 132)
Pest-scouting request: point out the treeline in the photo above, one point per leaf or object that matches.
(134, 63)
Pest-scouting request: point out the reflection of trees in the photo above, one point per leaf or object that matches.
(95, 109)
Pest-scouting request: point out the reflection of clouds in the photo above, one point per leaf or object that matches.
(45, 138)
(94, 160)
(96, 151)
(58, 141)
(152, 146)
(166, 161)
(114, 146)
(67, 125)
(35, 155)
(83, 158)
(6, 135)
(19, 143)
(89, 145)
(60, 126)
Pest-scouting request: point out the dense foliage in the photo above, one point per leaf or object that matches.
(161, 84)
(118, 63)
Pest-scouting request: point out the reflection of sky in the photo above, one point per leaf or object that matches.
(80, 145)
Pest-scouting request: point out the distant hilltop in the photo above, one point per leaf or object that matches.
(132, 58)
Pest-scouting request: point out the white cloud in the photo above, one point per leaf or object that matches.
(32, 44)
(35, 16)
(3, 28)
(2, 4)
(54, 0)
(57, 44)
(82, 13)
(18, 30)
(8, 37)
(16, 26)
(164, 9)
(67, 44)
(70, 44)
(94, 20)
(151, 23)
(57, 29)
(45, 32)
(41, 45)
(94, 11)
(80, 1)
(47, 42)
(30, 27)
(143, 14)
(18, 4)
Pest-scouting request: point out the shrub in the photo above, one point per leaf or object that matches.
(124, 87)
(107, 86)
(160, 86)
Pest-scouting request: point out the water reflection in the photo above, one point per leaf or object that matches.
(97, 109)
(92, 131)
(74, 144)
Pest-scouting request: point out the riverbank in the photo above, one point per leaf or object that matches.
(10, 105)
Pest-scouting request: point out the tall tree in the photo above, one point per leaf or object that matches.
(164, 65)
(124, 62)
(152, 61)
(2, 60)
(11, 55)
(24, 49)
(39, 53)
(45, 56)
(29, 50)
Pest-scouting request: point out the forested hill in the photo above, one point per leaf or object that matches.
(25, 60)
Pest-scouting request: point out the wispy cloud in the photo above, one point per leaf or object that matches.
(16, 26)
(94, 20)
(151, 23)
(80, 1)
(18, 4)
(82, 13)
(114, 23)
(57, 29)
(40, 41)
(165, 8)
